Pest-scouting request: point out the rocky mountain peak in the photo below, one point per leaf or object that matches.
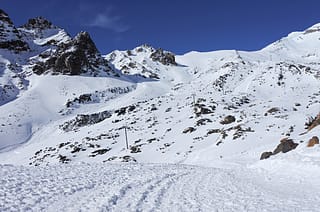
(144, 48)
(78, 56)
(38, 23)
(4, 17)
(83, 41)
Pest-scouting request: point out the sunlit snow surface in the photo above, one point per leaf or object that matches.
(215, 167)
(137, 187)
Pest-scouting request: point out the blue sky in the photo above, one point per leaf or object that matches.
(178, 26)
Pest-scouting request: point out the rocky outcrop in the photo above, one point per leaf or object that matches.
(15, 45)
(10, 37)
(39, 23)
(164, 57)
(285, 146)
(79, 56)
(84, 120)
(4, 17)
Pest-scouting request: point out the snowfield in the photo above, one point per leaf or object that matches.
(196, 125)
(150, 187)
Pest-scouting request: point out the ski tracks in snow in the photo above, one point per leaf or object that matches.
(137, 187)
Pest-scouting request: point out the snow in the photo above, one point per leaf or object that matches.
(149, 187)
(44, 167)
(47, 94)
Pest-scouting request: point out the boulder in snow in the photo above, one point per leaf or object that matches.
(313, 141)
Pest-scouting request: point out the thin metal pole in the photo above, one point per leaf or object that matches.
(126, 134)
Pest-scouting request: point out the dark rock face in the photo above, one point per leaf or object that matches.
(38, 23)
(85, 120)
(285, 145)
(164, 57)
(16, 45)
(10, 37)
(4, 17)
(76, 57)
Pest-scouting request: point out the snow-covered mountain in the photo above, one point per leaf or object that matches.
(63, 103)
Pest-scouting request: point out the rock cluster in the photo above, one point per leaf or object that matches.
(76, 57)
(39, 23)
(10, 37)
(164, 57)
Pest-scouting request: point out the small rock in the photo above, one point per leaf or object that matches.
(272, 111)
(265, 155)
(313, 141)
(228, 120)
(135, 149)
(128, 158)
(189, 130)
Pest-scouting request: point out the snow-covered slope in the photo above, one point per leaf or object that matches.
(63, 103)
(138, 187)
(192, 108)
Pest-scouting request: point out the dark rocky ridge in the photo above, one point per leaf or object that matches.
(4, 17)
(10, 37)
(78, 56)
(164, 57)
(64, 55)
(38, 23)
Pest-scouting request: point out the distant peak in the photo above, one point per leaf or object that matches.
(145, 48)
(5, 17)
(38, 23)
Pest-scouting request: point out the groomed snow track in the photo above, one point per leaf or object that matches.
(132, 187)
